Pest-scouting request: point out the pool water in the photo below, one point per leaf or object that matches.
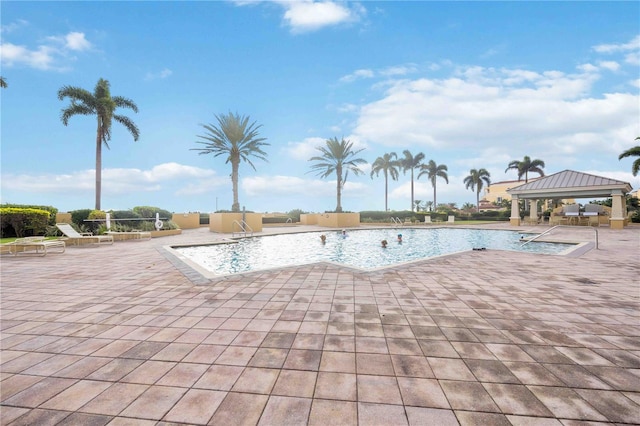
(359, 248)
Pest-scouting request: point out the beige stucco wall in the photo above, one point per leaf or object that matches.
(63, 217)
(339, 220)
(309, 218)
(186, 220)
(224, 222)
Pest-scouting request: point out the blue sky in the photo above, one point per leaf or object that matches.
(469, 84)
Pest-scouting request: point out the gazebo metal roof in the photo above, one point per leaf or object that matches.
(569, 184)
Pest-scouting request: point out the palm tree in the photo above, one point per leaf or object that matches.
(476, 180)
(3, 82)
(387, 164)
(434, 171)
(525, 166)
(635, 152)
(101, 104)
(409, 162)
(337, 156)
(238, 140)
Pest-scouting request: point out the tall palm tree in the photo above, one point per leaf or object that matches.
(476, 181)
(411, 162)
(635, 152)
(238, 140)
(525, 166)
(434, 171)
(101, 104)
(387, 164)
(3, 82)
(337, 156)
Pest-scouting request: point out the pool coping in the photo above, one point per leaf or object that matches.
(200, 275)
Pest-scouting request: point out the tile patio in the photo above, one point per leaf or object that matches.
(127, 334)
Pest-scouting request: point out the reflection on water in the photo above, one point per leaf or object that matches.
(360, 248)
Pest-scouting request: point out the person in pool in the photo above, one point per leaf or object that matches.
(323, 238)
(344, 233)
(384, 243)
(399, 238)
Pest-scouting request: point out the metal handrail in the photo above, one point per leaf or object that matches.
(396, 221)
(557, 226)
(243, 226)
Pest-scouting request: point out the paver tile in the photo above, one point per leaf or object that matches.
(468, 396)
(239, 409)
(381, 414)
(196, 406)
(379, 389)
(327, 412)
(114, 399)
(418, 392)
(427, 416)
(154, 403)
(284, 410)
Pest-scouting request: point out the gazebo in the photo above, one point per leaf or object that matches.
(572, 184)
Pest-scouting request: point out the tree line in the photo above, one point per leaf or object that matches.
(238, 139)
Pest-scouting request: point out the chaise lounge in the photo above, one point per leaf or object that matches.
(77, 238)
(34, 246)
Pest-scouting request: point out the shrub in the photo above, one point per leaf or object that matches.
(79, 216)
(295, 214)
(150, 212)
(23, 221)
(52, 210)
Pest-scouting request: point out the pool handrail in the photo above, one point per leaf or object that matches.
(558, 226)
(243, 226)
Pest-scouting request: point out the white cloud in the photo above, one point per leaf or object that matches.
(76, 41)
(306, 16)
(398, 70)
(13, 26)
(633, 44)
(40, 58)
(498, 107)
(114, 181)
(305, 149)
(164, 73)
(609, 65)
(357, 75)
(291, 186)
(47, 56)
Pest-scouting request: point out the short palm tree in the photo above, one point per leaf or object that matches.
(337, 156)
(388, 165)
(3, 82)
(525, 166)
(411, 162)
(633, 152)
(476, 181)
(434, 171)
(236, 139)
(101, 104)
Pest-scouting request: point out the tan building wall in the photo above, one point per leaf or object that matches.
(224, 222)
(186, 220)
(497, 191)
(309, 218)
(339, 220)
(63, 217)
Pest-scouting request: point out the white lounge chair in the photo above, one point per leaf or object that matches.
(34, 246)
(451, 219)
(77, 238)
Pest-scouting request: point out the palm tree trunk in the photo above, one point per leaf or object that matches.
(235, 165)
(411, 190)
(434, 193)
(339, 189)
(386, 191)
(98, 165)
(478, 200)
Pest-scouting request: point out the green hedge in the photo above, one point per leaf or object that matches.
(52, 210)
(22, 222)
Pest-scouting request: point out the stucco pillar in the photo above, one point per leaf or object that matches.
(533, 210)
(618, 210)
(515, 212)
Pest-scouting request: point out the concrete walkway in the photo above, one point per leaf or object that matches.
(125, 334)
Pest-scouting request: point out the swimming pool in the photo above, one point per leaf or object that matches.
(359, 248)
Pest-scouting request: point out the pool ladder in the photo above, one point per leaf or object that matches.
(558, 226)
(396, 221)
(244, 228)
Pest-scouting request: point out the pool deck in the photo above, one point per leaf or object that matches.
(126, 334)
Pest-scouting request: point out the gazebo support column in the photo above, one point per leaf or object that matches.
(514, 220)
(618, 208)
(533, 211)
